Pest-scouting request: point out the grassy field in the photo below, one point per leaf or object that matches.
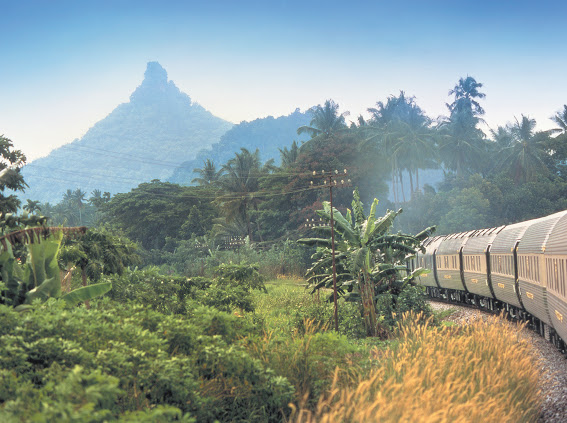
(155, 359)
(427, 373)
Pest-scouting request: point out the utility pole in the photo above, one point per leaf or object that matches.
(330, 180)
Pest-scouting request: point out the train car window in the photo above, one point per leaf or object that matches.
(556, 281)
(547, 268)
(555, 278)
(556, 264)
(561, 281)
(562, 285)
(550, 277)
(527, 267)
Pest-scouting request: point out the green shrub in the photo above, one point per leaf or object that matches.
(351, 323)
(74, 395)
(164, 293)
(198, 258)
(119, 360)
(391, 307)
(320, 313)
(245, 276)
(170, 294)
(307, 360)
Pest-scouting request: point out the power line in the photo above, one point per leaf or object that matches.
(117, 155)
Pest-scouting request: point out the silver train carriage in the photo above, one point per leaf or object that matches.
(519, 268)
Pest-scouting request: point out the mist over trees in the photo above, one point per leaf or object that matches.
(250, 185)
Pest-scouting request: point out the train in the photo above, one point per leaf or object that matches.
(520, 269)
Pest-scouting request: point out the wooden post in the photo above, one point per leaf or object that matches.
(333, 255)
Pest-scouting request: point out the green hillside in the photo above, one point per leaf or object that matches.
(144, 139)
(268, 135)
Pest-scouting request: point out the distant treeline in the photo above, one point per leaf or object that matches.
(515, 173)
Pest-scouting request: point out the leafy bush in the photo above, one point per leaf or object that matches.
(242, 275)
(391, 307)
(307, 360)
(200, 257)
(169, 294)
(164, 293)
(126, 361)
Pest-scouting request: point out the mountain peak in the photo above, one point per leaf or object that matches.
(155, 87)
(155, 74)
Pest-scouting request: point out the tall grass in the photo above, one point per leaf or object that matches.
(481, 372)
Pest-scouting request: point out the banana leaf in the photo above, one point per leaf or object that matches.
(85, 293)
(49, 288)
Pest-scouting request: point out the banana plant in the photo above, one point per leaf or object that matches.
(370, 260)
(38, 278)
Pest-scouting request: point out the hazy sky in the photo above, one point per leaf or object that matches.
(64, 65)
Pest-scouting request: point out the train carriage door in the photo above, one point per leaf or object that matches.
(489, 270)
(434, 262)
(461, 269)
(516, 275)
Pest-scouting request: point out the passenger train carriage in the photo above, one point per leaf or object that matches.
(520, 268)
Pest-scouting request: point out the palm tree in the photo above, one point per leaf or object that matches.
(560, 118)
(31, 206)
(557, 145)
(289, 157)
(466, 92)
(68, 196)
(502, 137)
(402, 131)
(524, 158)
(325, 121)
(461, 141)
(78, 199)
(208, 174)
(240, 184)
(96, 198)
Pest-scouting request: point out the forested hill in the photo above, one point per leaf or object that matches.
(267, 134)
(144, 139)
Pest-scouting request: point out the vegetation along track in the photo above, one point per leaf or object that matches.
(551, 362)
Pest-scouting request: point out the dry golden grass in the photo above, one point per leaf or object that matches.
(483, 372)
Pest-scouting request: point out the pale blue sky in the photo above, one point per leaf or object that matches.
(64, 65)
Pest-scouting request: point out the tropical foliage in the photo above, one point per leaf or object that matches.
(371, 260)
(38, 276)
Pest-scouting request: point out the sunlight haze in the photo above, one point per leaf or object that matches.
(67, 64)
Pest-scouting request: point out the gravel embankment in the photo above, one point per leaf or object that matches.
(553, 365)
